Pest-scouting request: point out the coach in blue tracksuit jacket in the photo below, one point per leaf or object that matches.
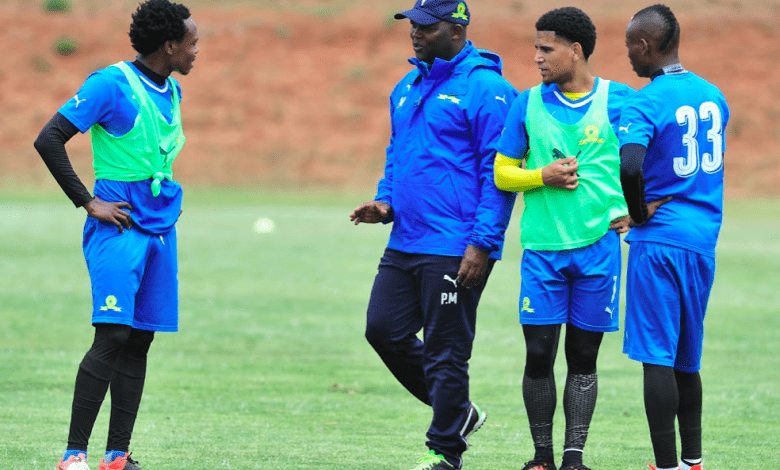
(448, 217)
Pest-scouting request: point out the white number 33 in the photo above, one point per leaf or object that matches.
(710, 162)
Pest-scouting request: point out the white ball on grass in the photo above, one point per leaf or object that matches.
(264, 225)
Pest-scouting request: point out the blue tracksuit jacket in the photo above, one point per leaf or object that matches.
(438, 178)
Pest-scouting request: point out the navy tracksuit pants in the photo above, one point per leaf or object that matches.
(413, 292)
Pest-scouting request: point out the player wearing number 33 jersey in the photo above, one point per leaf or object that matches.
(672, 137)
(681, 119)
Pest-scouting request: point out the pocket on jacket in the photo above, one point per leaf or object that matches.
(422, 208)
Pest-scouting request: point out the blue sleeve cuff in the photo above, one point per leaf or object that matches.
(480, 243)
(392, 212)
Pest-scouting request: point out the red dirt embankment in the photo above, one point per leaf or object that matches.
(278, 98)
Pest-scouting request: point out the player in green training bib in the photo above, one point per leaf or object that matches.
(132, 111)
(565, 131)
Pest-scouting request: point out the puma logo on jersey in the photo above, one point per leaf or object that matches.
(501, 98)
(78, 101)
(625, 129)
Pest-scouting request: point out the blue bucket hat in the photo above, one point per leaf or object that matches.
(427, 12)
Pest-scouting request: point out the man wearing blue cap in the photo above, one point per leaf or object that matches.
(448, 218)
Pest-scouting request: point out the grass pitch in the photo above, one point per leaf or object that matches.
(270, 369)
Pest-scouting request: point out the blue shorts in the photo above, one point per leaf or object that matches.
(579, 286)
(667, 293)
(134, 276)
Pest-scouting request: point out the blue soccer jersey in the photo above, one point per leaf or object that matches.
(106, 99)
(514, 139)
(681, 119)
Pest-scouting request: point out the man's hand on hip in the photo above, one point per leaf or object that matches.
(110, 212)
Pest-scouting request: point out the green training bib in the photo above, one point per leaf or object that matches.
(561, 219)
(148, 149)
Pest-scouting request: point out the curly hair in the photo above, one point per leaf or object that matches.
(571, 24)
(155, 22)
(670, 36)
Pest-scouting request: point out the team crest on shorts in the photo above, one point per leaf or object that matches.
(110, 304)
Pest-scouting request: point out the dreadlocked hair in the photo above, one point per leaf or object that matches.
(671, 32)
(571, 24)
(155, 22)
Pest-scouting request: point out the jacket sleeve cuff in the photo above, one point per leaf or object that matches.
(390, 217)
(480, 243)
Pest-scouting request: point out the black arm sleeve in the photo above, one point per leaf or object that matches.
(633, 181)
(50, 144)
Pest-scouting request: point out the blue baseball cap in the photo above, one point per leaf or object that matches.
(427, 12)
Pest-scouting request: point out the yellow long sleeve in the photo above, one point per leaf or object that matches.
(509, 176)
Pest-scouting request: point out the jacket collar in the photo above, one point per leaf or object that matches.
(441, 68)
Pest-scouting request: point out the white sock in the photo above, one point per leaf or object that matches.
(688, 464)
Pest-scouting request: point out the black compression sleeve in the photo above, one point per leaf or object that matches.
(50, 144)
(633, 181)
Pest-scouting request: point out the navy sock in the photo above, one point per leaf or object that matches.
(571, 458)
(545, 454)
